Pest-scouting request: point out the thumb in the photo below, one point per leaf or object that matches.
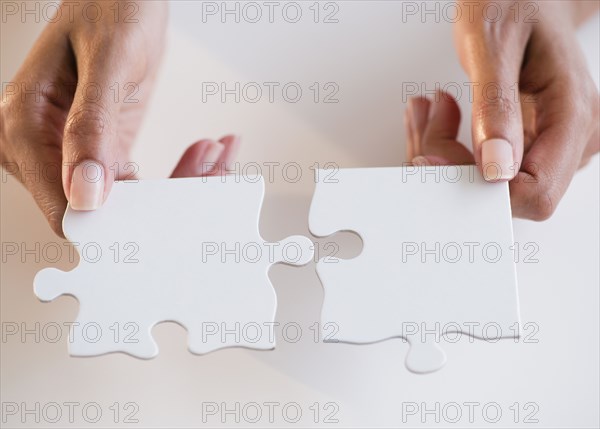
(494, 68)
(90, 141)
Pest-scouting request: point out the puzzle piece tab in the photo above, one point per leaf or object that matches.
(437, 257)
(182, 250)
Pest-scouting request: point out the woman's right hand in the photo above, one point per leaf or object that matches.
(69, 117)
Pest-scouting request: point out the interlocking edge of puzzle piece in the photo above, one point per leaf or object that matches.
(49, 283)
(423, 357)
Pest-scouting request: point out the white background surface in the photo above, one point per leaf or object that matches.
(368, 54)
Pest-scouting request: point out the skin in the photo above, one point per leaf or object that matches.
(552, 124)
(77, 116)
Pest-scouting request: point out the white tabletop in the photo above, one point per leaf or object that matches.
(368, 55)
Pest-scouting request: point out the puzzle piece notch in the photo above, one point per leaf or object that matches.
(294, 250)
(172, 281)
(387, 207)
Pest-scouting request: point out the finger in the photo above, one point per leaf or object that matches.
(492, 55)
(419, 117)
(39, 171)
(226, 161)
(529, 115)
(427, 160)
(552, 160)
(199, 159)
(440, 136)
(408, 129)
(90, 140)
(208, 158)
(32, 126)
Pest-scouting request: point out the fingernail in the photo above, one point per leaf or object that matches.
(210, 156)
(497, 160)
(420, 161)
(87, 186)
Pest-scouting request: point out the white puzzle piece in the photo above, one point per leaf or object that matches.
(182, 250)
(437, 257)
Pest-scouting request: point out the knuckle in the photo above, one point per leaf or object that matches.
(534, 195)
(543, 207)
(21, 117)
(52, 207)
(88, 121)
(494, 107)
(545, 198)
(54, 212)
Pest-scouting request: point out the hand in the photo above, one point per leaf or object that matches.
(535, 107)
(70, 115)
